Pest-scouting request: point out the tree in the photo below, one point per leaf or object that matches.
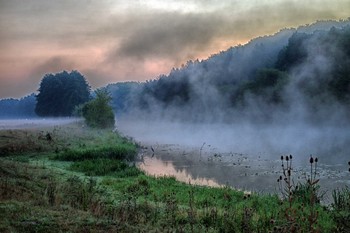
(60, 93)
(97, 112)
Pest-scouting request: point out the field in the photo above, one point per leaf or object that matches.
(69, 178)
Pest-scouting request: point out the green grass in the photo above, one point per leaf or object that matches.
(103, 166)
(88, 185)
(119, 152)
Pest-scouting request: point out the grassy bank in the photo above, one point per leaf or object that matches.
(80, 180)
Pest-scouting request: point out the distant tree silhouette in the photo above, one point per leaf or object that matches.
(18, 108)
(60, 93)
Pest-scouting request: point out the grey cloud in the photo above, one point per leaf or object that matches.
(67, 23)
(167, 35)
(21, 86)
(53, 64)
(174, 34)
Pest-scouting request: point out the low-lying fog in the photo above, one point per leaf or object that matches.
(270, 141)
(240, 155)
(34, 123)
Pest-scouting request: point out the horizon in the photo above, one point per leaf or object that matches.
(110, 42)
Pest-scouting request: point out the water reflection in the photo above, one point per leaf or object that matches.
(240, 171)
(157, 167)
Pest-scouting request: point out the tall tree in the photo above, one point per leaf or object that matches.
(60, 93)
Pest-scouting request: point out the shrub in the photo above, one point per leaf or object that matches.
(97, 112)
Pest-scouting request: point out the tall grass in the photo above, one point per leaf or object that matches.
(103, 166)
(119, 151)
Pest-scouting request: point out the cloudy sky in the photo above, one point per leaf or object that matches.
(117, 40)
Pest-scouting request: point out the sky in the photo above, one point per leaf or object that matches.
(110, 41)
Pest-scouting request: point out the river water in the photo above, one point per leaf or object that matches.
(241, 157)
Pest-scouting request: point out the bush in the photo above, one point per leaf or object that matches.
(97, 112)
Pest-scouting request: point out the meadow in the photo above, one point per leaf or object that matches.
(75, 179)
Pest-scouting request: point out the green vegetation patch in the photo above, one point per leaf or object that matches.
(103, 166)
(119, 151)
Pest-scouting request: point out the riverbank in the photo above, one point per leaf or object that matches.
(84, 180)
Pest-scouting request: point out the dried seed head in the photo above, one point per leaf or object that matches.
(289, 172)
(287, 158)
(290, 157)
(316, 160)
(282, 158)
(311, 160)
(349, 163)
(280, 177)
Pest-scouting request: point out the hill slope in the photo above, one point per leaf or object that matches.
(295, 74)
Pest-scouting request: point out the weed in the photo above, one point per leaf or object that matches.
(51, 192)
(341, 206)
(312, 184)
(79, 193)
(302, 199)
(191, 211)
(246, 221)
(171, 208)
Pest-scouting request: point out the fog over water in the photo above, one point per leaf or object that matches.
(243, 156)
(327, 142)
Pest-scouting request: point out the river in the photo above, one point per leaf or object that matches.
(242, 157)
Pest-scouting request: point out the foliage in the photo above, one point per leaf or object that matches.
(59, 94)
(97, 112)
(294, 53)
(267, 84)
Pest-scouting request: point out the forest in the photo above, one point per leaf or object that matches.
(259, 80)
